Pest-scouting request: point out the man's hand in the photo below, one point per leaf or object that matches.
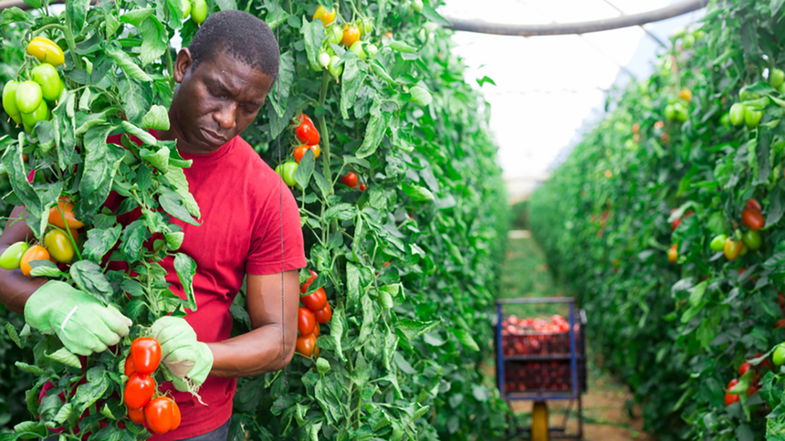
(82, 323)
(183, 356)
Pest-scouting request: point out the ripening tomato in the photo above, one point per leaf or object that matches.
(732, 249)
(316, 300)
(304, 287)
(753, 204)
(686, 95)
(305, 321)
(300, 150)
(752, 239)
(753, 219)
(744, 367)
(351, 33)
(138, 390)
(305, 345)
(673, 253)
(324, 315)
(35, 252)
(350, 179)
(59, 246)
(146, 354)
(162, 415)
(324, 15)
(287, 171)
(306, 132)
(46, 51)
(136, 415)
(67, 207)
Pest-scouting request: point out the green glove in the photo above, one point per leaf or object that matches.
(189, 361)
(82, 323)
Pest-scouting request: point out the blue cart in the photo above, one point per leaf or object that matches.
(542, 361)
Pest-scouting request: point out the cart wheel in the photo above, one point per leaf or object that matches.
(540, 421)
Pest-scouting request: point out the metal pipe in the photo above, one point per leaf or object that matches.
(577, 28)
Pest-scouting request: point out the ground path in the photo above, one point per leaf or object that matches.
(609, 413)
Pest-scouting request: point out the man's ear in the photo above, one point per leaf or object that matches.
(182, 64)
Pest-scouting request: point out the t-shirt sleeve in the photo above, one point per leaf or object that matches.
(277, 241)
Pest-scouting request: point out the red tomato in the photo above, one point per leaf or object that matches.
(304, 287)
(136, 415)
(162, 415)
(350, 179)
(306, 131)
(362, 186)
(729, 397)
(316, 300)
(744, 367)
(146, 355)
(324, 315)
(305, 345)
(129, 366)
(138, 390)
(753, 389)
(316, 330)
(780, 324)
(305, 321)
(753, 204)
(753, 219)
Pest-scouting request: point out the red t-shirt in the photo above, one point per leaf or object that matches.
(249, 224)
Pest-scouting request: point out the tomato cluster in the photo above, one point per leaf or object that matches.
(58, 245)
(349, 35)
(197, 9)
(27, 102)
(351, 180)
(315, 312)
(159, 414)
(748, 381)
(308, 135)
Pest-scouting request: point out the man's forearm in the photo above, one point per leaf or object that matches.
(16, 288)
(262, 350)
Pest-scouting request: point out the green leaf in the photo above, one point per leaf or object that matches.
(99, 242)
(280, 92)
(186, 269)
(65, 357)
(137, 16)
(133, 239)
(417, 193)
(77, 12)
(179, 183)
(127, 65)
(156, 118)
(44, 268)
(374, 132)
(313, 35)
(174, 204)
(100, 167)
(88, 393)
(351, 80)
(11, 331)
(304, 171)
(30, 368)
(155, 41)
(89, 277)
(466, 339)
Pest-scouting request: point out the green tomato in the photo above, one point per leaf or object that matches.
(357, 49)
(776, 78)
(681, 114)
(670, 112)
(366, 26)
(371, 49)
(752, 117)
(28, 96)
(752, 239)
(718, 243)
(286, 171)
(416, 5)
(335, 67)
(334, 34)
(324, 59)
(688, 41)
(13, 255)
(737, 114)
(9, 101)
(716, 223)
(47, 77)
(185, 7)
(198, 11)
(41, 113)
(778, 357)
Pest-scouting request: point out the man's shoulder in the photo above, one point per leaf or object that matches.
(261, 177)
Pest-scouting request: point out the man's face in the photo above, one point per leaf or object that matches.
(216, 101)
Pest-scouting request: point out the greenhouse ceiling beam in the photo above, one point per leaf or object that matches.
(584, 27)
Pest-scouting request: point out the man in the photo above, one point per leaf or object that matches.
(249, 229)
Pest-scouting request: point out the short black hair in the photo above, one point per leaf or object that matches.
(245, 37)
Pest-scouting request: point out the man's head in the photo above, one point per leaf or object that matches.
(225, 76)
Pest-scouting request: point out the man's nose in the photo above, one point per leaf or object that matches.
(225, 116)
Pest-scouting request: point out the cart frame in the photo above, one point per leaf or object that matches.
(540, 397)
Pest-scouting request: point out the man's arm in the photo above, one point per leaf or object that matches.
(270, 345)
(15, 288)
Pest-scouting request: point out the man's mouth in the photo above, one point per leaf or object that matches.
(212, 137)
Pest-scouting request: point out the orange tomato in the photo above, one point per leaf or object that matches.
(67, 207)
(305, 345)
(35, 252)
(299, 151)
(351, 34)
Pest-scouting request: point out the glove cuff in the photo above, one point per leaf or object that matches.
(38, 307)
